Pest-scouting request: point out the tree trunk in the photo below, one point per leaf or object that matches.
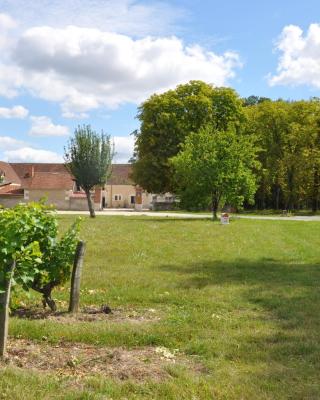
(76, 277)
(4, 311)
(46, 294)
(215, 203)
(90, 205)
(47, 299)
(277, 198)
(315, 190)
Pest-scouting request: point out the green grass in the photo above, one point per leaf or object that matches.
(244, 298)
(271, 212)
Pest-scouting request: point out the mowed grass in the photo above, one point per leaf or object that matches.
(242, 299)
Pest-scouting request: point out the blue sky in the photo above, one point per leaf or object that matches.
(94, 61)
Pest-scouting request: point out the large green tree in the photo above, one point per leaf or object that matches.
(268, 123)
(88, 157)
(167, 119)
(218, 165)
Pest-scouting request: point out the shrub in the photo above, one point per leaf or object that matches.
(29, 235)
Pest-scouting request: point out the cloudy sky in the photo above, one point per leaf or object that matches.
(64, 63)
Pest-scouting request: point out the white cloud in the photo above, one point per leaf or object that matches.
(7, 142)
(17, 151)
(84, 69)
(11, 80)
(18, 112)
(299, 63)
(29, 154)
(123, 146)
(124, 16)
(6, 22)
(43, 126)
(74, 115)
(6, 25)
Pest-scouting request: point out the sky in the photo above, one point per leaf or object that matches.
(69, 63)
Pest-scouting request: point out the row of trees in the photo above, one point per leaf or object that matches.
(210, 146)
(287, 136)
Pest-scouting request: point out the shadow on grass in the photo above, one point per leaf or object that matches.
(285, 294)
(35, 313)
(265, 271)
(274, 328)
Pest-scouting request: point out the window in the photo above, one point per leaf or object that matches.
(132, 199)
(117, 197)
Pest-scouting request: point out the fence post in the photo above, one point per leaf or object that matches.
(4, 310)
(76, 277)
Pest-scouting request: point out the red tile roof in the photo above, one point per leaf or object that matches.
(45, 176)
(49, 180)
(120, 175)
(27, 169)
(11, 189)
(10, 175)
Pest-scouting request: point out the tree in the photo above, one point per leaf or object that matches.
(288, 137)
(301, 157)
(268, 124)
(167, 119)
(253, 100)
(217, 165)
(88, 158)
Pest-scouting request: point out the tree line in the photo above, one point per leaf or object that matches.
(287, 135)
(208, 145)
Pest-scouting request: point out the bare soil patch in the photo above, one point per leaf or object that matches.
(79, 360)
(89, 314)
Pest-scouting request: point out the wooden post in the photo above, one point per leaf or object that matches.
(4, 311)
(76, 277)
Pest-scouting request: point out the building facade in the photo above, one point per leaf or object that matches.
(26, 182)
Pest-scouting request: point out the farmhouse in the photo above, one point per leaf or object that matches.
(24, 182)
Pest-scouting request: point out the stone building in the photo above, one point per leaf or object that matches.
(24, 182)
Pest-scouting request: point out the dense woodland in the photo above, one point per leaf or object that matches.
(285, 136)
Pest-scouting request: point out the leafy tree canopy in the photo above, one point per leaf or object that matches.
(167, 119)
(253, 100)
(216, 165)
(288, 135)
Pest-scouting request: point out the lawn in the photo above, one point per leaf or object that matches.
(238, 303)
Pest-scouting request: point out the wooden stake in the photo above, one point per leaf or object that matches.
(4, 311)
(76, 277)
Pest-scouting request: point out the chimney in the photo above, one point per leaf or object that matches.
(29, 171)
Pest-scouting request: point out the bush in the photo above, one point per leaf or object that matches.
(29, 235)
